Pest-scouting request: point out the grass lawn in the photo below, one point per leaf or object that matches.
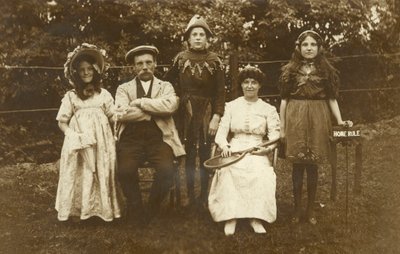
(28, 221)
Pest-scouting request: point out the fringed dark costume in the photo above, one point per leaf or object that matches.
(198, 77)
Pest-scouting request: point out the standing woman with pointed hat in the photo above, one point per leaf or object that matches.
(198, 76)
(309, 86)
(87, 184)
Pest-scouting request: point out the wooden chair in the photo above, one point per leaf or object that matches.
(146, 175)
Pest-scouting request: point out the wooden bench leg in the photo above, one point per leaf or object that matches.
(178, 188)
(175, 193)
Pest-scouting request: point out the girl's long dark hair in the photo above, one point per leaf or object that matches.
(78, 82)
(324, 68)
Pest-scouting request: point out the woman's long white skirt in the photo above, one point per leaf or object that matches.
(245, 189)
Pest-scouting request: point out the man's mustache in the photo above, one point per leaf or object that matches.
(145, 72)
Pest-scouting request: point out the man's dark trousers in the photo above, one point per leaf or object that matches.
(139, 142)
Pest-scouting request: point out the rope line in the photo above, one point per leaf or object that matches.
(345, 91)
(28, 110)
(9, 67)
(336, 57)
(261, 96)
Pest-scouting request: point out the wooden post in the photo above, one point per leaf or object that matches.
(358, 169)
(234, 72)
(334, 171)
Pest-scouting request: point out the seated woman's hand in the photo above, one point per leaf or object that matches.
(226, 151)
(260, 150)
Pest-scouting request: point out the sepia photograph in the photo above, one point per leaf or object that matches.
(200, 126)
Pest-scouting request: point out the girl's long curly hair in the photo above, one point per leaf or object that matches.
(324, 68)
(78, 82)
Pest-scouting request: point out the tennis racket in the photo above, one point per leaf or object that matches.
(220, 162)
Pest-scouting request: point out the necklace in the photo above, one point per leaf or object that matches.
(308, 67)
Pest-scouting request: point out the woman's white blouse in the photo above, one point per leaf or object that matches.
(258, 119)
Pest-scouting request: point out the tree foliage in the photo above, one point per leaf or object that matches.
(41, 33)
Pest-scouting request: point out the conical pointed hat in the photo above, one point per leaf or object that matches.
(197, 21)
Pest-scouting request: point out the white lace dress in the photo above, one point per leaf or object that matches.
(245, 189)
(87, 185)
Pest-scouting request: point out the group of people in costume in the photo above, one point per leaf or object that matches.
(182, 114)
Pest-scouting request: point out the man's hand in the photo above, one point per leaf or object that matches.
(133, 114)
(136, 103)
(214, 123)
(119, 113)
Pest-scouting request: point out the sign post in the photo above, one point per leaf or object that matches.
(347, 136)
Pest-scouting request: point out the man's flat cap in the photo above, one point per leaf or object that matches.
(140, 50)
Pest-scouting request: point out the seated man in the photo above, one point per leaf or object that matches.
(146, 132)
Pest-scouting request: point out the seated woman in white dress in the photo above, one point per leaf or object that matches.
(246, 189)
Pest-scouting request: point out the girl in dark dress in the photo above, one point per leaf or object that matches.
(309, 86)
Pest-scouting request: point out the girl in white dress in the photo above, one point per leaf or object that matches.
(86, 184)
(246, 189)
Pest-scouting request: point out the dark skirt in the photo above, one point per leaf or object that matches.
(308, 129)
(193, 118)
